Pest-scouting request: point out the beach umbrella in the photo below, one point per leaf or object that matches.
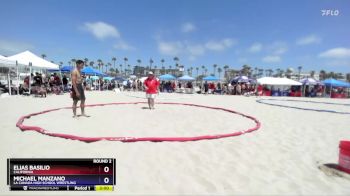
(186, 78)
(167, 77)
(210, 78)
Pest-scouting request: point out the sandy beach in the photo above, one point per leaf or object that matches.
(280, 158)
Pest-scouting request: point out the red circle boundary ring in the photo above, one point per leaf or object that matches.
(23, 127)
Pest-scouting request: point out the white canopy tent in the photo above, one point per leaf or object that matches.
(5, 62)
(278, 81)
(27, 58)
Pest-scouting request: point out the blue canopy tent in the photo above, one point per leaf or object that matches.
(186, 78)
(210, 78)
(67, 69)
(92, 72)
(335, 83)
(167, 77)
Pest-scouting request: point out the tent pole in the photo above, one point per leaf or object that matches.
(17, 78)
(9, 81)
(30, 77)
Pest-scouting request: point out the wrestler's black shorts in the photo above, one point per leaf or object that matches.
(81, 92)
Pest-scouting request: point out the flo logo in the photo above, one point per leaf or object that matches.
(330, 12)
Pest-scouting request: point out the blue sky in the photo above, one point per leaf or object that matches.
(265, 34)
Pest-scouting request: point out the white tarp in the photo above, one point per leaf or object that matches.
(278, 81)
(27, 57)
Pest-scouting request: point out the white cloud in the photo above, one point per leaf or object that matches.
(271, 59)
(336, 53)
(256, 47)
(102, 30)
(338, 62)
(278, 48)
(191, 50)
(123, 46)
(311, 39)
(220, 45)
(196, 50)
(188, 27)
(242, 60)
(170, 48)
(8, 48)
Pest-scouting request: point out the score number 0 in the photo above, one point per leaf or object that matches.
(106, 170)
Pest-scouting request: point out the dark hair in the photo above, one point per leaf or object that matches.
(78, 62)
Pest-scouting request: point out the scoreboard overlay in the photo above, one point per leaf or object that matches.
(96, 174)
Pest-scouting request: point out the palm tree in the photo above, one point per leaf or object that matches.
(246, 70)
(163, 69)
(99, 61)
(219, 71)
(205, 71)
(114, 60)
(69, 63)
(162, 61)
(129, 70)
(299, 70)
(61, 63)
(215, 65)
(225, 69)
(203, 67)
(176, 59)
(125, 60)
(348, 77)
(86, 61)
(170, 69)
(197, 69)
(108, 65)
(278, 70)
(312, 74)
(92, 63)
(139, 62)
(73, 61)
(322, 75)
(102, 64)
(121, 68)
(150, 64)
(43, 55)
(256, 71)
(268, 72)
(289, 72)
